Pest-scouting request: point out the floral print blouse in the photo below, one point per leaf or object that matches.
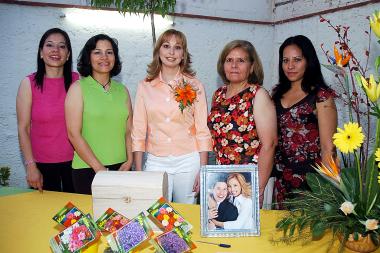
(298, 144)
(232, 126)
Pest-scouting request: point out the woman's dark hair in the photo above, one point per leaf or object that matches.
(67, 67)
(312, 80)
(84, 59)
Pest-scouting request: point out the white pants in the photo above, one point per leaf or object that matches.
(181, 172)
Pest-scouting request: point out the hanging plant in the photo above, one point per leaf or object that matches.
(144, 7)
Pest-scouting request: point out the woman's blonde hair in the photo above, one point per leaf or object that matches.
(155, 66)
(245, 186)
(257, 75)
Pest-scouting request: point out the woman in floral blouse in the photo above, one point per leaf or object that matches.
(242, 120)
(306, 116)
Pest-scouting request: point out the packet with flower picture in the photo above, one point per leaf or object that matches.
(68, 215)
(111, 221)
(131, 235)
(166, 217)
(75, 237)
(175, 240)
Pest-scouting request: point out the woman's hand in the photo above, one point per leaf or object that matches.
(210, 225)
(196, 185)
(100, 168)
(212, 213)
(218, 223)
(34, 177)
(126, 166)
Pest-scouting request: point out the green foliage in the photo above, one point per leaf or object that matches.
(313, 213)
(377, 63)
(372, 189)
(145, 7)
(5, 173)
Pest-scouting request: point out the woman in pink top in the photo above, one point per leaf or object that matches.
(170, 121)
(40, 115)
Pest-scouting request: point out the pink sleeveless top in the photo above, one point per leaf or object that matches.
(48, 133)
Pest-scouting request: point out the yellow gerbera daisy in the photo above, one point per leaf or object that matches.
(377, 157)
(349, 138)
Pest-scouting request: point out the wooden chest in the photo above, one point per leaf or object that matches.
(127, 192)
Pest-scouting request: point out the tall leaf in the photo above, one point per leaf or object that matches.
(350, 183)
(371, 183)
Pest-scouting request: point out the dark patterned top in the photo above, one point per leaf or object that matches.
(231, 123)
(298, 144)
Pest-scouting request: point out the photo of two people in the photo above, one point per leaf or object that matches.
(229, 202)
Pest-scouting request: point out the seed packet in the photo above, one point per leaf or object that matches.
(130, 235)
(174, 241)
(68, 215)
(76, 236)
(166, 217)
(111, 221)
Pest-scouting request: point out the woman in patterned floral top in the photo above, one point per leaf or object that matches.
(306, 116)
(242, 120)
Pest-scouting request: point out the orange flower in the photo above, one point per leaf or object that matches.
(340, 59)
(331, 171)
(185, 94)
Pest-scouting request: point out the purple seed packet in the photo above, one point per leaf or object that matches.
(131, 235)
(175, 241)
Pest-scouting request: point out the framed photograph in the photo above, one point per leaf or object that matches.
(230, 201)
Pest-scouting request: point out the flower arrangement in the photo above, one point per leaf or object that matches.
(185, 94)
(344, 201)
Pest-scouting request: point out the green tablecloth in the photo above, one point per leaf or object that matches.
(7, 190)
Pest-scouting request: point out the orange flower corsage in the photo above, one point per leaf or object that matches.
(185, 94)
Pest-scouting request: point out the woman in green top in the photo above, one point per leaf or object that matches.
(98, 114)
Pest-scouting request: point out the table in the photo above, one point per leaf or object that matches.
(26, 226)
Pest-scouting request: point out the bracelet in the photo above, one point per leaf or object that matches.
(29, 162)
